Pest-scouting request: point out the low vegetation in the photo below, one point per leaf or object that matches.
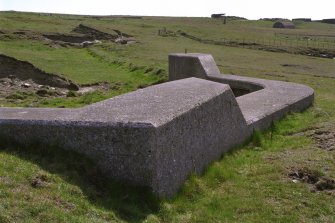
(285, 174)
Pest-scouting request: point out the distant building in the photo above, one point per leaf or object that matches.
(236, 18)
(303, 19)
(273, 19)
(215, 16)
(284, 25)
(329, 21)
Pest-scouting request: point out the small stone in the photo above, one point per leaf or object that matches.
(329, 192)
(42, 92)
(45, 87)
(5, 80)
(131, 42)
(39, 181)
(121, 41)
(25, 85)
(295, 181)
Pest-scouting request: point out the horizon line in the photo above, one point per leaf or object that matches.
(121, 15)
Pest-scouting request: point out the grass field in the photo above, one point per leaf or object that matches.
(253, 183)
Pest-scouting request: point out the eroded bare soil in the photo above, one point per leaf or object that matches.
(325, 139)
(80, 36)
(20, 79)
(12, 87)
(92, 33)
(13, 68)
(314, 178)
(323, 136)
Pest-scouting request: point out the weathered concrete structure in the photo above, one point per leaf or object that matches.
(284, 25)
(157, 136)
(302, 20)
(263, 101)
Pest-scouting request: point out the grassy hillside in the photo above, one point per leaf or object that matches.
(285, 174)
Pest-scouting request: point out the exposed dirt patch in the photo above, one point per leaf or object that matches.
(119, 37)
(5, 180)
(325, 139)
(94, 33)
(12, 87)
(316, 52)
(57, 40)
(64, 204)
(122, 34)
(81, 36)
(313, 177)
(323, 135)
(305, 175)
(54, 40)
(275, 75)
(21, 34)
(69, 38)
(39, 181)
(21, 79)
(11, 67)
(296, 66)
(102, 86)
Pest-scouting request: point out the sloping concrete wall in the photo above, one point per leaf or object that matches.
(191, 65)
(152, 137)
(189, 142)
(157, 136)
(267, 101)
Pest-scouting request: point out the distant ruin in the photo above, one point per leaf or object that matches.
(220, 15)
(329, 21)
(284, 25)
(302, 19)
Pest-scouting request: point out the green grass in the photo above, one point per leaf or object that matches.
(82, 66)
(79, 65)
(248, 184)
(71, 191)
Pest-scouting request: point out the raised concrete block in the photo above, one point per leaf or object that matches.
(191, 65)
(157, 136)
(153, 137)
(265, 101)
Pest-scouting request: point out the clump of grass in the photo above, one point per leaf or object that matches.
(57, 182)
(160, 72)
(257, 139)
(21, 95)
(148, 70)
(71, 94)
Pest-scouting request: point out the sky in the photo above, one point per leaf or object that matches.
(255, 9)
